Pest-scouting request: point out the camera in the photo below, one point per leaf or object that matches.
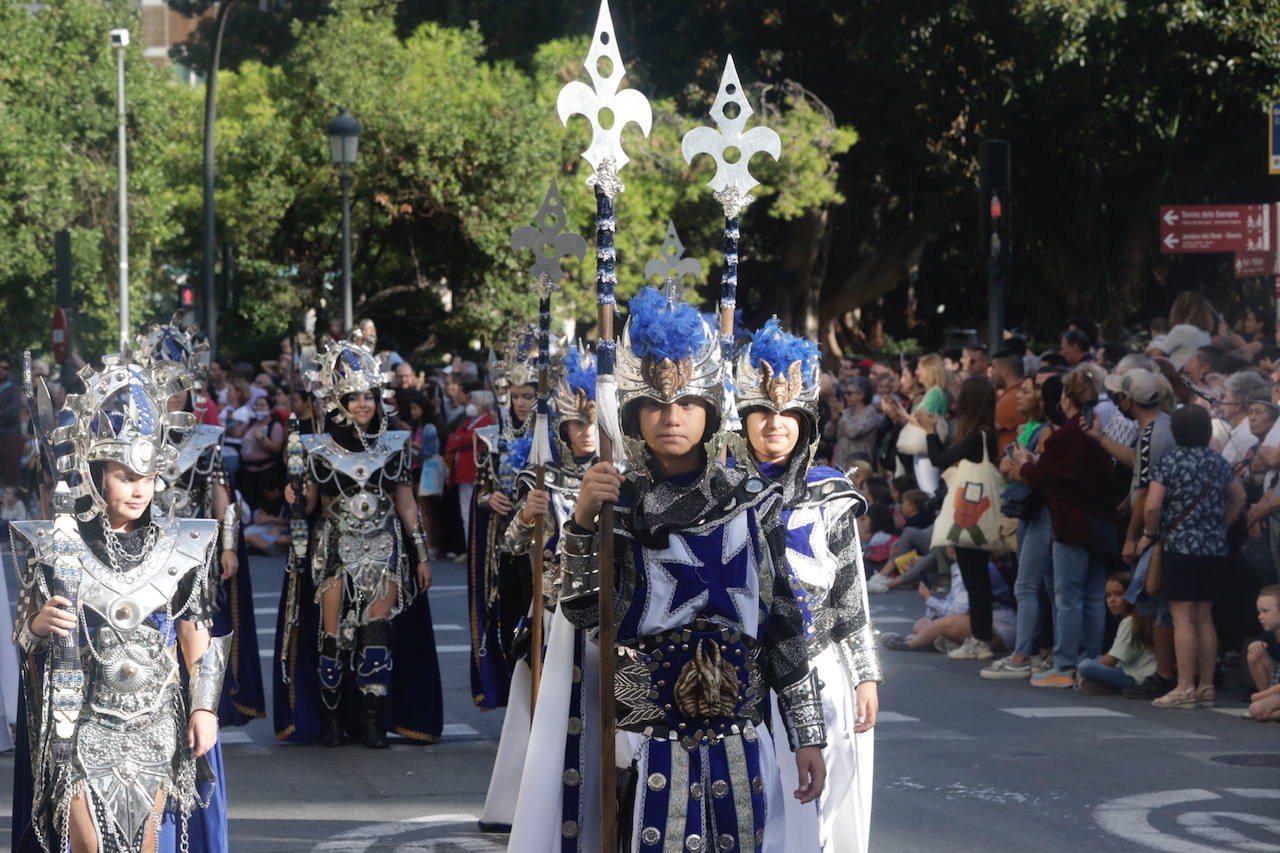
(119, 38)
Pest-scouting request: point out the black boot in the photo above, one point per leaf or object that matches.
(372, 732)
(331, 718)
(331, 678)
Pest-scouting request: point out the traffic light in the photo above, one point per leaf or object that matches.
(995, 190)
(186, 297)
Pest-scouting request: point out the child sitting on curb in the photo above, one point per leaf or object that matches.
(1132, 657)
(1264, 658)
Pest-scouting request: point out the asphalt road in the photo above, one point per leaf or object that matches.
(961, 765)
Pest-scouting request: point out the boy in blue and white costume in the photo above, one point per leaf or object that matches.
(776, 387)
(707, 623)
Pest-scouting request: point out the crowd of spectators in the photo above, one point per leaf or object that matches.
(1127, 539)
(1090, 515)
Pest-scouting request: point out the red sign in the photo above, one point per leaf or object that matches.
(1249, 264)
(59, 336)
(1215, 228)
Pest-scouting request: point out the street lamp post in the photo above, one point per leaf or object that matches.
(120, 41)
(344, 144)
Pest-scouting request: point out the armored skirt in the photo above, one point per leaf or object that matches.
(707, 625)
(824, 566)
(109, 719)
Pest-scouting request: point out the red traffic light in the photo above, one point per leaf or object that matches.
(186, 296)
(997, 209)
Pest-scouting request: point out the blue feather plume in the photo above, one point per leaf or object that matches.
(580, 377)
(517, 458)
(781, 349)
(661, 328)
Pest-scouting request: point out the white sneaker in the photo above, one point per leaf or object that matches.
(878, 584)
(972, 649)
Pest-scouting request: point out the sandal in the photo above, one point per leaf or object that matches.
(1177, 699)
(1206, 697)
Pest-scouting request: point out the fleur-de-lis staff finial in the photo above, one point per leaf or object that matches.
(606, 156)
(672, 264)
(549, 243)
(732, 146)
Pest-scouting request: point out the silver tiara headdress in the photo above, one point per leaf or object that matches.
(123, 417)
(177, 343)
(346, 367)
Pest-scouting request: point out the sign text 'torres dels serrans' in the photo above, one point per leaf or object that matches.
(1216, 228)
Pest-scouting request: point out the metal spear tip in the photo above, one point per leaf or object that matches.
(604, 66)
(549, 242)
(731, 145)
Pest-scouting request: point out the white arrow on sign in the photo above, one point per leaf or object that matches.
(1170, 241)
(1170, 217)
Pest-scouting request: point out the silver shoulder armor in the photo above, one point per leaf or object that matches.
(124, 599)
(358, 465)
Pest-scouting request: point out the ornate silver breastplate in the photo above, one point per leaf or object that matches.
(362, 506)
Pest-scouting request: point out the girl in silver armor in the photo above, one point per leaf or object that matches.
(109, 594)
(364, 574)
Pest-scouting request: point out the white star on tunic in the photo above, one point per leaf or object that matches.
(661, 608)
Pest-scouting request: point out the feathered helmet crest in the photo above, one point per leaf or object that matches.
(346, 367)
(176, 342)
(667, 352)
(122, 416)
(777, 371)
(575, 394)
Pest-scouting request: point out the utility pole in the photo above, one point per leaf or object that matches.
(120, 41)
(210, 223)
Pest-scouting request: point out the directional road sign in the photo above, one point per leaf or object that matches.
(1215, 228)
(1249, 264)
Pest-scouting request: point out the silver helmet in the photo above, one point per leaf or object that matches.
(777, 371)
(667, 352)
(120, 417)
(575, 392)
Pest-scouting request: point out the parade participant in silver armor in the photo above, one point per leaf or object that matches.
(706, 621)
(776, 387)
(537, 757)
(109, 593)
(195, 485)
(560, 774)
(369, 557)
(499, 585)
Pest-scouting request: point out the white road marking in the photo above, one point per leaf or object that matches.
(448, 588)
(1128, 818)
(363, 838)
(264, 611)
(226, 737)
(453, 648)
(457, 730)
(1063, 711)
(888, 620)
(894, 717)
(1239, 713)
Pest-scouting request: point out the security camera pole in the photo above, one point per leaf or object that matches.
(120, 41)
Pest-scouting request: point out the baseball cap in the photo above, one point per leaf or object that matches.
(1139, 384)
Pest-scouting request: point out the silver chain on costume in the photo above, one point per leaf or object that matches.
(117, 555)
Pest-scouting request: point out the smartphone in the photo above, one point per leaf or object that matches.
(1009, 448)
(1087, 416)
